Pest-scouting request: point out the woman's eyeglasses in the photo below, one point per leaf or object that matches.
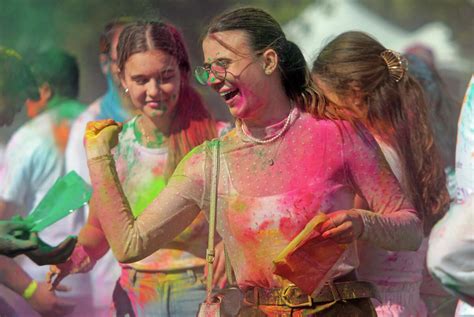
(203, 73)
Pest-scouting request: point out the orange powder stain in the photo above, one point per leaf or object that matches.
(157, 170)
(61, 134)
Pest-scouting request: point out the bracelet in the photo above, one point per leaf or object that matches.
(99, 158)
(30, 290)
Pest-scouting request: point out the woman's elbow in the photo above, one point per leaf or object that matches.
(416, 241)
(126, 255)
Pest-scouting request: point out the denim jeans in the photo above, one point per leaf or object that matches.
(158, 294)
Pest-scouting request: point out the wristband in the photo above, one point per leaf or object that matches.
(30, 290)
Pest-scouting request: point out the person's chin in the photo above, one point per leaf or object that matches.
(156, 112)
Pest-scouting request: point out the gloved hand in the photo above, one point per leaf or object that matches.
(46, 254)
(16, 238)
(100, 137)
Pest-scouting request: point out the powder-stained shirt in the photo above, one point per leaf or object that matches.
(34, 161)
(396, 274)
(141, 173)
(451, 245)
(267, 194)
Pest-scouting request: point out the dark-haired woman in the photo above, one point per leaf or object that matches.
(360, 76)
(155, 72)
(288, 158)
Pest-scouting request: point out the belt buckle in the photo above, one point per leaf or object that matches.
(288, 303)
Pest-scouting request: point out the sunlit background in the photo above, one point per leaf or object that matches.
(445, 26)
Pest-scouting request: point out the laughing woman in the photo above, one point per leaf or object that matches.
(288, 158)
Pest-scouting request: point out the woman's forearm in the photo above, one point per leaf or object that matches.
(13, 276)
(400, 231)
(94, 242)
(133, 239)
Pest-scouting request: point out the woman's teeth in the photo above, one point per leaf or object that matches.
(229, 94)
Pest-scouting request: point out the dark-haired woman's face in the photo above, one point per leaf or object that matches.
(153, 80)
(245, 88)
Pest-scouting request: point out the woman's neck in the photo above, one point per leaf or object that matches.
(152, 133)
(276, 108)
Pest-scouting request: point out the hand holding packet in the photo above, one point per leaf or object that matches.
(309, 259)
(69, 193)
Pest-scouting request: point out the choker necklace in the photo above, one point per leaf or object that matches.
(273, 138)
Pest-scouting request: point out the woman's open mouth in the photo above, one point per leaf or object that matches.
(229, 94)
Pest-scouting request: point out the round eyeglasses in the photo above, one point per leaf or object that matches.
(203, 73)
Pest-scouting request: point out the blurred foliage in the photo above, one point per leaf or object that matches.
(31, 25)
(458, 15)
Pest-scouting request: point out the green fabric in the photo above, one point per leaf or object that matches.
(69, 193)
(67, 108)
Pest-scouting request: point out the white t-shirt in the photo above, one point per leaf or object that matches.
(451, 245)
(34, 160)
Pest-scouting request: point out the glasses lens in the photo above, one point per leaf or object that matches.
(202, 75)
(219, 71)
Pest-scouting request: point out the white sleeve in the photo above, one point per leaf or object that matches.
(451, 250)
(17, 173)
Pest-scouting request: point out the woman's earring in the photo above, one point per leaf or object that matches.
(126, 90)
(268, 71)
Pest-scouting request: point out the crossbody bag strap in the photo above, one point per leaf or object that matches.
(210, 253)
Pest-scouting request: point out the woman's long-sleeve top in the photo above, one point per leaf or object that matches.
(267, 194)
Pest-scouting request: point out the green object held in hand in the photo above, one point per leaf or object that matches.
(66, 195)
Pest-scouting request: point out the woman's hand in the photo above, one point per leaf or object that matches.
(343, 226)
(16, 238)
(101, 136)
(78, 262)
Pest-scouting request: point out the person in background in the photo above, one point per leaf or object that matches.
(451, 245)
(35, 153)
(155, 73)
(361, 77)
(17, 84)
(116, 105)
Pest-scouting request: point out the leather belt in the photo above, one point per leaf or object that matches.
(294, 297)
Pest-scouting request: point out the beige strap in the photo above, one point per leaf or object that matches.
(210, 253)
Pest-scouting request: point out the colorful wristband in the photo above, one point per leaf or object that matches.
(30, 290)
